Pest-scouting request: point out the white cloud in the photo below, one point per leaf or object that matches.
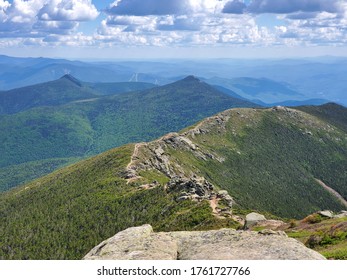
(181, 30)
(55, 27)
(68, 10)
(41, 17)
(174, 23)
(316, 28)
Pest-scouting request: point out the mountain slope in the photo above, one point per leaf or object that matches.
(59, 92)
(90, 126)
(266, 90)
(15, 175)
(54, 93)
(120, 87)
(266, 159)
(63, 215)
(330, 112)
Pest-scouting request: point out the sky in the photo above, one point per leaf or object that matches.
(142, 29)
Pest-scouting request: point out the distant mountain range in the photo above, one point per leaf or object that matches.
(267, 90)
(270, 81)
(208, 176)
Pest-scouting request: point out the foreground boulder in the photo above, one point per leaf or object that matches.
(141, 243)
(253, 218)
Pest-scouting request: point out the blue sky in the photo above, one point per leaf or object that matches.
(173, 28)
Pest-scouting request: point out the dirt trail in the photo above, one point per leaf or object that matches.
(333, 192)
(214, 204)
(134, 156)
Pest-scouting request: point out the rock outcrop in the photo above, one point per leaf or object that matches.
(253, 218)
(184, 181)
(141, 243)
(342, 214)
(326, 213)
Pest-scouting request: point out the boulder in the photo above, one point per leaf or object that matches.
(223, 194)
(253, 218)
(326, 213)
(141, 243)
(137, 243)
(342, 214)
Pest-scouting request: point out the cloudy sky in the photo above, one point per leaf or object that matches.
(173, 28)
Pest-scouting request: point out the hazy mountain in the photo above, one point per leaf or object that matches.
(293, 103)
(266, 90)
(58, 92)
(316, 78)
(269, 160)
(29, 71)
(61, 91)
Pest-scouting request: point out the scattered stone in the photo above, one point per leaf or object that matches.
(141, 243)
(197, 188)
(279, 108)
(313, 241)
(223, 194)
(326, 213)
(342, 214)
(253, 218)
(181, 198)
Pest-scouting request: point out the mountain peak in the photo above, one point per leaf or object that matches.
(72, 79)
(191, 78)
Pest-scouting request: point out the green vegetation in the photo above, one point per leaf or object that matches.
(328, 237)
(330, 112)
(53, 93)
(25, 172)
(116, 88)
(91, 126)
(335, 252)
(267, 159)
(65, 214)
(62, 91)
(271, 159)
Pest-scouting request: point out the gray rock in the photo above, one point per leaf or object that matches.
(342, 214)
(224, 244)
(223, 194)
(326, 213)
(253, 218)
(183, 197)
(137, 243)
(195, 187)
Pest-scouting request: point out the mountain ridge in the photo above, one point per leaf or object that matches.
(241, 160)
